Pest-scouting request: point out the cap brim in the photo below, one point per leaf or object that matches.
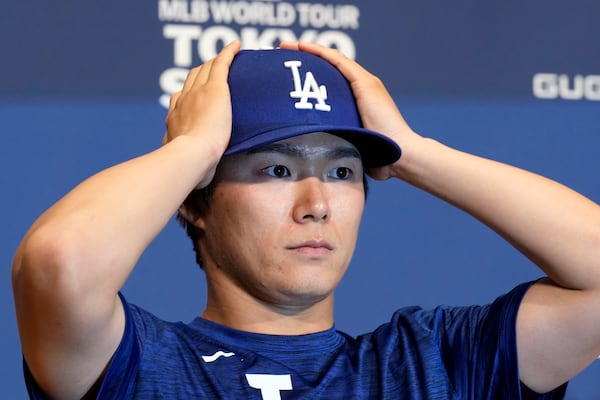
(376, 150)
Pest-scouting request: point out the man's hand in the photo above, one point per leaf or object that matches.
(203, 106)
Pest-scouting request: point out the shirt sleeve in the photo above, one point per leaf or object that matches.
(479, 347)
(120, 376)
(119, 380)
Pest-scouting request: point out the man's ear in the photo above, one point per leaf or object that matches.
(193, 209)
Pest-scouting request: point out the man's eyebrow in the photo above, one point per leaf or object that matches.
(300, 151)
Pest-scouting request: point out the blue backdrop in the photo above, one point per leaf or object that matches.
(81, 87)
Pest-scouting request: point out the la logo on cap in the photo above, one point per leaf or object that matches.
(310, 89)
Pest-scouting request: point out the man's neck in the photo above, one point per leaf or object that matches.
(239, 310)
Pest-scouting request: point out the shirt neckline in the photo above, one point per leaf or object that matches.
(259, 342)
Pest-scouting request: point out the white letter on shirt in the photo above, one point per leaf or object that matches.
(270, 385)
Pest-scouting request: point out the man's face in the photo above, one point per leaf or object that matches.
(283, 220)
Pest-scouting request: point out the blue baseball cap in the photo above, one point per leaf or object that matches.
(278, 94)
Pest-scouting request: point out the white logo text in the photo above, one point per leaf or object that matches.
(555, 86)
(310, 89)
(270, 386)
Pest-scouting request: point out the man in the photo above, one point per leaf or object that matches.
(265, 153)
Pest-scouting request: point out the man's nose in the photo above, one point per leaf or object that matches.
(311, 201)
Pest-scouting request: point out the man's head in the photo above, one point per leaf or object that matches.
(283, 219)
(278, 95)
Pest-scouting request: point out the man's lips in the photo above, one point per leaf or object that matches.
(312, 244)
(314, 249)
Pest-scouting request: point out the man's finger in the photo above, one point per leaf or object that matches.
(190, 79)
(173, 100)
(220, 67)
(349, 68)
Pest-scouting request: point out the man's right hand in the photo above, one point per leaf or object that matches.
(203, 106)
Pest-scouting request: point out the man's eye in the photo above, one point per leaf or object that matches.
(341, 173)
(278, 171)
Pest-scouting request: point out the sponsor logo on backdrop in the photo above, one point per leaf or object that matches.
(198, 29)
(567, 87)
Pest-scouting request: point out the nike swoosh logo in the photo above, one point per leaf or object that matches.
(216, 356)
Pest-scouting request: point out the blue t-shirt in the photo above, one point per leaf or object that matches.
(444, 353)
